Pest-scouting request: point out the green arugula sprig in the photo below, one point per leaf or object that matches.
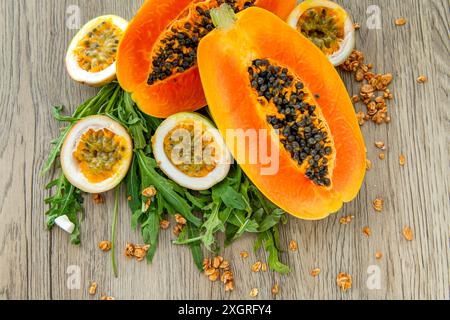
(234, 206)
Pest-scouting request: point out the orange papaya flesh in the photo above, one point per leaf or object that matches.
(157, 56)
(261, 74)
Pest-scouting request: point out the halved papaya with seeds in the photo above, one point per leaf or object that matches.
(260, 74)
(157, 57)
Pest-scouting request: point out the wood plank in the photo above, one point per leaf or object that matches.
(34, 262)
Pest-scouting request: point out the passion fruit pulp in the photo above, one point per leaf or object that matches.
(191, 151)
(91, 56)
(328, 26)
(96, 154)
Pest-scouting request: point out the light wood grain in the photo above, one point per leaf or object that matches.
(33, 262)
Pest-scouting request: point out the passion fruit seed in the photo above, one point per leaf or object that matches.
(195, 166)
(98, 48)
(98, 153)
(321, 26)
(176, 51)
(302, 128)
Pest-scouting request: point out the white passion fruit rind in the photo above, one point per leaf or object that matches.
(191, 151)
(328, 26)
(96, 154)
(91, 56)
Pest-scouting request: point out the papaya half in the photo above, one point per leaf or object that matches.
(261, 75)
(157, 56)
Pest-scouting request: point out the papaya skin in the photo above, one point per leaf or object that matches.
(258, 34)
(180, 92)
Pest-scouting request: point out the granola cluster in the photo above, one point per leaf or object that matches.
(218, 268)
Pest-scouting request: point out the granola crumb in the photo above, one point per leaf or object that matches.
(400, 22)
(382, 156)
(275, 289)
(129, 198)
(380, 145)
(105, 246)
(378, 255)
(140, 252)
(98, 198)
(164, 224)
(177, 229)
(244, 254)
(402, 160)
(254, 293)
(147, 204)
(149, 192)
(264, 267)
(129, 250)
(368, 165)
(214, 276)
(356, 26)
(256, 267)
(180, 219)
(217, 261)
(107, 298)
(378, 204)
(408, 233)
(367, 232)
(346, 219)
(344, 281)
(315, 272)
(293, 246)
(422, 79)
(93, 288)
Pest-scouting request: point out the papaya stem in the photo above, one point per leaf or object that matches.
(223, 17)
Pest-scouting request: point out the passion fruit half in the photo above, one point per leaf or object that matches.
(91, 56)
(96, 154)
(191, 151)
(327, 25)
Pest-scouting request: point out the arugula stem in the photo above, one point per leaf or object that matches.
(113, 239)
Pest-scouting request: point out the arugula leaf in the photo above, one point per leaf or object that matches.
(270, 246)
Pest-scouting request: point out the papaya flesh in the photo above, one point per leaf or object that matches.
(260, 74)
(157, 56)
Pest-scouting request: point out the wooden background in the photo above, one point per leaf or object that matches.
(34, 262)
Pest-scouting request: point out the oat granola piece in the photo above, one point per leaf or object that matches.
(98, 198)
(164, 224)
(177, 229)
(93, 288)
(382, 156)
(315, 272)
(346, 219)
(264, 267)
(367, 232)
(293, 246)
(408, 233)
(256, 267)
(140, 252)
(129, 250)
(254, 293)
(275, 289)
(402, 160)
(149, 192)
(180, 219)
(244, 254)
(344, 281)
(400, 22)
(378, 255)
(368, 165)
(105, 246)
(378, 204)
(422, 79)
(107, 298)
(380, 145)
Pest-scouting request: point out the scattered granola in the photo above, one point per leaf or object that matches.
(136, 251)
(422, 79)
(346, 219)
(98, 198)
(93, 288)
(254, 293)
(344, 281)
(105, 246)
(164, 224)
(293, 246)
(378, 204)
(367, 232)
(315, 272)
(218, 268)
(378, 255)
(244, 254)
(149, 192)
(400, 22)
(408, 233)
(275, 289)
(256, 267)
(402, 160)
(371, 84)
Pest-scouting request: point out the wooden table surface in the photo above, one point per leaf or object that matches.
(36, 264)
